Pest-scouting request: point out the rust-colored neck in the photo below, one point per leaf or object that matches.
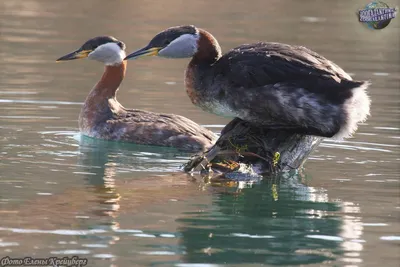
(109, 83)
(101, 103)
(208, 51)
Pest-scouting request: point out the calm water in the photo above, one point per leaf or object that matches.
(125, 205)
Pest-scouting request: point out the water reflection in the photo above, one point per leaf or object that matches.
(100, 162)
(351, 232)
(100, 157)
(62, 195)
(99, 173)
(280, 222)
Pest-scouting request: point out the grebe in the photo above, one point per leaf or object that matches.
(274, 85)
(102, 116)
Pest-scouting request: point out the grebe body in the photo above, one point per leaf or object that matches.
(273, 85)
(103, 117)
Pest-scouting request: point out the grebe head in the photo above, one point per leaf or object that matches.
(175, 42)
(105, 49)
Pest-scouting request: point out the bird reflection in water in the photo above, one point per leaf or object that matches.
(279, 221)
(101, 160)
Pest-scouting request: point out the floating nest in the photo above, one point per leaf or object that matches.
(245, 152)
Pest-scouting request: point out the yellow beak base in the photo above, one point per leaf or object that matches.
(75, 55)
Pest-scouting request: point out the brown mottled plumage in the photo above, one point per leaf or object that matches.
(272, 85)
(102, 116)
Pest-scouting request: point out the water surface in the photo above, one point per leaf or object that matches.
(122, 204)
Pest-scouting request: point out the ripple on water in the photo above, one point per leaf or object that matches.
(127, 231)
(30, 117)
(56, 232)
(95, 245)
(390, 238)
(313, 19)
(18, 93)
(167, 235)
(380, 74)
(251, 236)
(8, 244)
(67, 133)
(357, 240)
(46, 102)
(71, 252)
(197, 265)
(161, 253)
(85, 173)
(144, 235)
(104, 256)
(348, 146)
(387, 128)
(325, 237)
(374, 224)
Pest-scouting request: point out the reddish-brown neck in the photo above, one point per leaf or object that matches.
(101, 102)
(110, 81)
(208, 51)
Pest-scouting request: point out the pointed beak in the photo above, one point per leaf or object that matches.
(145, 51)
(75, 55)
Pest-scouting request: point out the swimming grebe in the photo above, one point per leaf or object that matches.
(102, 116)
(274, 85)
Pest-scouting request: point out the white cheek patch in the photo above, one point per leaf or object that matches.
(182, 47)
(109, 54)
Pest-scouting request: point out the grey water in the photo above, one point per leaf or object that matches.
(118, 204)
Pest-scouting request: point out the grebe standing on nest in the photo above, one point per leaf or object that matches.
(102, 116)
(274, 85)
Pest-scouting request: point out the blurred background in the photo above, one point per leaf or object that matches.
(126, 205)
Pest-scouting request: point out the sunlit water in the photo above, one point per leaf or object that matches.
(117, 204)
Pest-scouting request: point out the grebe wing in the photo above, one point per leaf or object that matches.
(259, 64)
(166, 125)
(285, 106)
(282, 87)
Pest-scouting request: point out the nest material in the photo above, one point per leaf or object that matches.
(245, 150)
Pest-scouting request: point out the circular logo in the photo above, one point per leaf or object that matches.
(377, 15)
